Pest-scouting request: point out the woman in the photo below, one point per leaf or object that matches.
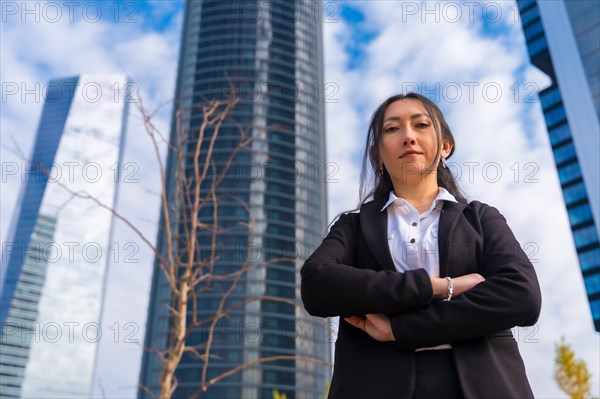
(427, 285)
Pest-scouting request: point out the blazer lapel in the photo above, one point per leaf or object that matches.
(451, 212)
(373, 224)
(374, 227)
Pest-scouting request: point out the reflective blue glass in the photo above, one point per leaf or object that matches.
(534, 29)
(564, 153)
(549, 98)
(529, 15)
(585, 236)
(592, 283)
(559, 134)
(523, 4)
(590, 259)
(569, 172)
(580, 214)
(574, 193)
(53, 284)
(275, 62)
(585, 21)
(595, 306)
(580, 22)
(537, 45)
(555, 116)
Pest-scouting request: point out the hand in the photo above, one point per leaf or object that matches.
(460, 285)
(377, 325)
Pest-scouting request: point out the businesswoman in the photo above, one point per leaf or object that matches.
(427, 285)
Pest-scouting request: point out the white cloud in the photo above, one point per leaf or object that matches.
(34, 53)
(402, 52)
(343, 119)
(493, 132)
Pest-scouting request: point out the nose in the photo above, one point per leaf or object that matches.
(409, 137)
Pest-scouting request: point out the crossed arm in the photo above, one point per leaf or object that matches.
(402, 306)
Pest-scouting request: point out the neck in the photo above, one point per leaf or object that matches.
(418, 193)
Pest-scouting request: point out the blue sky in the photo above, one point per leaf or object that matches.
(474, 64)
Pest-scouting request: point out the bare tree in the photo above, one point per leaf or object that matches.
(186, 265)
(187, 269)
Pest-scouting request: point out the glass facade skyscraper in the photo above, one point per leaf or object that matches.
(54, 263)
(562, 41)
(271, 53)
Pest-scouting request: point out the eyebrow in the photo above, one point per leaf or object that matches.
(414, 116)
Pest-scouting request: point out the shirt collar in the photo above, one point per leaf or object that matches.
(443, 195)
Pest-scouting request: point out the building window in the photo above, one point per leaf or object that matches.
(580, 214)
(589, 259)
(550, 98)
(585, 236)
(555, 116)
(559, 134)
(595, 306)
(523, 4)
(529, 15)
(564, 153)
(592, 283)
(533, 30)
(537, 45)
(569, 173)
(574, 193)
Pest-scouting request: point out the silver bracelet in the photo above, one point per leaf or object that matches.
(450, 289)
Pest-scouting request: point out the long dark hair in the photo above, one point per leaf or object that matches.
(380, 183)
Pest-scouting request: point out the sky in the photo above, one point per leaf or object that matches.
(468, 57)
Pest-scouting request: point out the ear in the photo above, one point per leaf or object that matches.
(446, 149)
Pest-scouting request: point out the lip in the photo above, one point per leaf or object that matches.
(409, 153)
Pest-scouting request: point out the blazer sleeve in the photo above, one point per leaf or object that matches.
(332, 286)
(510, 296)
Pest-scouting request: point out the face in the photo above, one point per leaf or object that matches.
(409, 142)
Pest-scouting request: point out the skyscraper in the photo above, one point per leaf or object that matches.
(54, 263)
(271, 52)
(562, 41)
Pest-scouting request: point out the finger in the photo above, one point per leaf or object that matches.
(374, 317)
(355, 321)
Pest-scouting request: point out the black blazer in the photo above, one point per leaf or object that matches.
(352, 273)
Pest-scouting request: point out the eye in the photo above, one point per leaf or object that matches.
(422, 125)
(390, 129)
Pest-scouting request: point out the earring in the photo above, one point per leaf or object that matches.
(444, 163)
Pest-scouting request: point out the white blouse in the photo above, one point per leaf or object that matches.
(413, 237)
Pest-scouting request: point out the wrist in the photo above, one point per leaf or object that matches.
(440, 288)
